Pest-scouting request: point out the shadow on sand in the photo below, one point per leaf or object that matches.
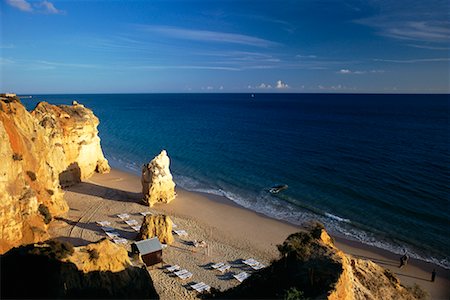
(108, 193)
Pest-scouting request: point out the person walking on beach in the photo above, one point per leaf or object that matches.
(433, 275)
(403, 260)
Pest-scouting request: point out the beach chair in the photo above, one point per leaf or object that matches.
(103, 223)
(174, 225)
(250, 262)
(120, 241)
(200, 287)
(136, 228)
(181, 232)
(223, 268)
(218, 265)
(112, 234)
(258, 266)
(186, 275)
(131, 222)
(124, 216)
(173, 268)
(241, 276)
(163, 245)
(144, 213)
(108, 229)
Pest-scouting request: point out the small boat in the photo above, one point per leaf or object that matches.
(278, 188)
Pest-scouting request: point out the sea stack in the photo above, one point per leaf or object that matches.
(159, 226)
(157, 182)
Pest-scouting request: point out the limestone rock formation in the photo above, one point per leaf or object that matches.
(101, 256)
(158, 225)
(312, 267)
(74, 135)
(40, 151)
(27, 179)
(55, 270)
(157, 182)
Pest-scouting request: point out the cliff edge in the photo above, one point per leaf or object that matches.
(55, 270)
(311, 267)
(36, 159)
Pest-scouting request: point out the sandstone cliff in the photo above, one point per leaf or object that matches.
(39, 152)
(57, 270)
(160, 226)
(157, 182)
(311, 267)
(72, 131)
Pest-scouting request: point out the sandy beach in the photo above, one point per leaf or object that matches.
(231, 232)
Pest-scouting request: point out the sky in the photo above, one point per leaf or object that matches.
(302, 46)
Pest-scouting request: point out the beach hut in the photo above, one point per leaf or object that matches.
(150, 251)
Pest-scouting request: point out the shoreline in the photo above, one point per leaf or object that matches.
(257, 233)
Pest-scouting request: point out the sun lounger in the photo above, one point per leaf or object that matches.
(218, 265)
(108, 229)
(250, 262)
(124, 216)
(163, 246)
(136, 228)
(224, 268)
(200, 287)
(174, 225)
(181, 272)
(241, 276)
(144, 213)
(180, 232)
(112, 234)
(199, 243)
(131, 222)
(258, 266)
(120, 241)
(173, 268)
(186, 275)
(103, 223)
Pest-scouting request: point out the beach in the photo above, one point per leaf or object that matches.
(231, 232)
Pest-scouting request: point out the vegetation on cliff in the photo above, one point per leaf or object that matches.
(58, 270)
(311, 267)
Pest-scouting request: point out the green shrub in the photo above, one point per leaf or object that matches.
(293, 294)
(418, 292)
(32, 175)
(17, 156)
(43, 210)
(93, 254)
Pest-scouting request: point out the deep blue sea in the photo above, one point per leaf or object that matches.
(373, 168)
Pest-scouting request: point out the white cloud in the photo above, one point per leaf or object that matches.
(305, 56)
(49, 8)
(412, 61)
(281, 85)
(264, 86)
(45, 6)
(208, 36)
(221, 87)
(344, 71)
(22, 5)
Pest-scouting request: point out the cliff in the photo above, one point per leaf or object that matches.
(160, 226)
(310, 266)
(74, 136)
(157, 182)
(57, 270)
(36, 159)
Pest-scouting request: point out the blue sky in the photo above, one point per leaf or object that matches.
(224, 46)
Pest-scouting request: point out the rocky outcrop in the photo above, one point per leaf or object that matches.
(74, 136)
(312, 267)
(157, 182)
(57, 270)
(27, 179)
(40, 151)
(158, 225)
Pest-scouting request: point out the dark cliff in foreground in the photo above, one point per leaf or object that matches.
(55, 270)
(311, 267)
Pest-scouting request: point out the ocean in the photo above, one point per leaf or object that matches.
(372, 168)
